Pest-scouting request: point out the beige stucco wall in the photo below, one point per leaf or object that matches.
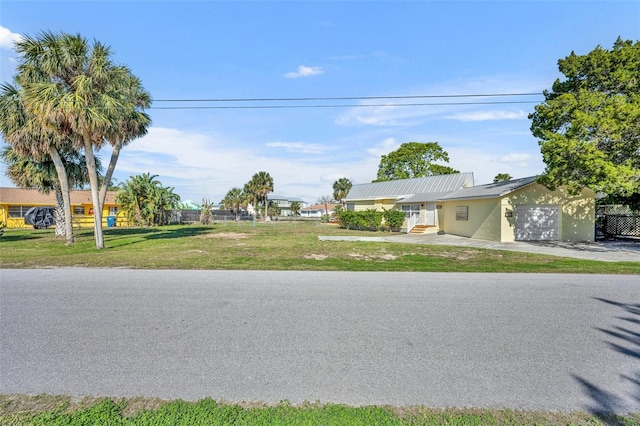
(373, 204)
(484, 219)
(576, 214)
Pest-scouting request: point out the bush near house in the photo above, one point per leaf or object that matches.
(367, 220)
(393, 219)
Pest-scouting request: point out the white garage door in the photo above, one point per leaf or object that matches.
(536, 223)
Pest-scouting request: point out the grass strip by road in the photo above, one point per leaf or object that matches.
(272, 246)
(23, 410)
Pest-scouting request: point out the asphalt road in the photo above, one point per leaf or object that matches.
(523, 341)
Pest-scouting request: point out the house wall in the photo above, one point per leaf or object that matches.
(576, 212)
(483, 219)
(84, 220)
(487, 221)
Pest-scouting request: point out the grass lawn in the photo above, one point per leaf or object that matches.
(62, 410)
(271, 246)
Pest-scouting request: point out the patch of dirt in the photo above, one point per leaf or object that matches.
(373, 256)
(316, 256)
(225, 236)
(464, 255)
(197, 251)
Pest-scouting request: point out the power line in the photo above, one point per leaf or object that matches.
(349, 98)
(191, 107)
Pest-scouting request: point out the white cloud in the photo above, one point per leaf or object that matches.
(300, 147)
(201, 166)
(304, 71)
(384, 147)
(8, 38)
(489, 116)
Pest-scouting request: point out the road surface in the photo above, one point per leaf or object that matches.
(523, 341)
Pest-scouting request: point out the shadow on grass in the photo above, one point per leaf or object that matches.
(624, 340)
(11, 238)
(136, 235)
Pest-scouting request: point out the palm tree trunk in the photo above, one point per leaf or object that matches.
(64, 189)
(109, 173)
(58, 214)
(95, 196)
(266, 205)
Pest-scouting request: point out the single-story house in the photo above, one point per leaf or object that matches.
(416, 197)
(318, 210)
(14, 203)
(518, 210)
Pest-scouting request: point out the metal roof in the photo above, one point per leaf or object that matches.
(491, 190)
(405, 188)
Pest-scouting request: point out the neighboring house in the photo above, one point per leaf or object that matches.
(14, 202)
(416, 197)
(285, 203)
(518, 210)
(318, 210)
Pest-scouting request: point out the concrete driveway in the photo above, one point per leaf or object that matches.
(606, 251)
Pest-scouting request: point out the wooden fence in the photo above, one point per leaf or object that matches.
(616, 221)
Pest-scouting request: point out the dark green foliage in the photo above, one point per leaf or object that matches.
(589, 124)
(367, 220)
(413, 159)
(393, 218)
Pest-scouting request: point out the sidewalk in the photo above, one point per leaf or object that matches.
(606, 251)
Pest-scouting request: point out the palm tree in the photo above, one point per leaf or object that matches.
(235, 199)
(341, 188)
(295, 208)
(262, 185)
(145, 200)
(29, 138)
(27, 173)
(74, 87)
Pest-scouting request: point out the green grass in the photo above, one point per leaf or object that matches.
(272, 246)
(62, 410)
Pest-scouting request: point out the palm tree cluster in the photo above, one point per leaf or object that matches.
(69, 96)
(145, 200)
(255, 192)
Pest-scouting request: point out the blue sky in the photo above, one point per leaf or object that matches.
(327, 49)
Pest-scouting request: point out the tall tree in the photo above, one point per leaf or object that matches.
(235, 200)
(414, 159)
(262, 185)
(502, 177)
(29, 138)
(589, 124)
(341, 188)
(295, 208)
(72, 87)
(43, 176)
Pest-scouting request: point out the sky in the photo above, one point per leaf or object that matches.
(208, 61)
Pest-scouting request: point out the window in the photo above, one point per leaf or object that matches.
(351, 206)
(113, 211)
(78, 210)
(462, 212)
(410, 210)
(18, 211)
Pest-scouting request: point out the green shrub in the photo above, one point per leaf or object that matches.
(367, 220)
(393, 218)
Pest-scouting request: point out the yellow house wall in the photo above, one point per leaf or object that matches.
(78, 221)
(378, 205)
(576, 213)
(483, 223)
(487, 221)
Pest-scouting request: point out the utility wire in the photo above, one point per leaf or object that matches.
(341, 105)
(349, 98)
